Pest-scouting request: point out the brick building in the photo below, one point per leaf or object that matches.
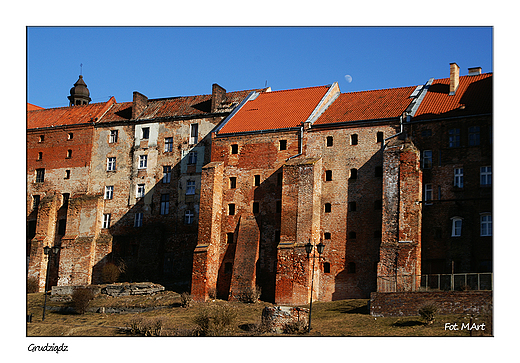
(221, 192)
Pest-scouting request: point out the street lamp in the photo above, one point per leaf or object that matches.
(310, 248)
(47, 251)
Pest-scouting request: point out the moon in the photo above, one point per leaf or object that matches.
(348, 78)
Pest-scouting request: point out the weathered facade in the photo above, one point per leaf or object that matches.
(221, 192)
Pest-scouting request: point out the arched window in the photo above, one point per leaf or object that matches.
(456, 226)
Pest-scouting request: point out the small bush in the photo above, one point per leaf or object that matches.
(32, 285)
(110, 273)
(186, 300)
(216, 320)
(147, 327)
(295, 327)
(81, 298)
(250, 295)
(428, 313)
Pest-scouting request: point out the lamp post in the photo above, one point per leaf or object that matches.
(47, 251)
(310, 248)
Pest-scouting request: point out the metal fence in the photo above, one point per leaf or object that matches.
(443, 282)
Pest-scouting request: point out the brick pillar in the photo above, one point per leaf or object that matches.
(45, 234)
(206, 254)
(301, 212)
(399, 267)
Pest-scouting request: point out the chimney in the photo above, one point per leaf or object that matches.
(454, 78)
(475, 71)
(139, 103)
(218, 94)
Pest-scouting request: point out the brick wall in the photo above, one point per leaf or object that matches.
(448, 302)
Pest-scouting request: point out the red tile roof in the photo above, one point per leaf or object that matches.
(71, 115)
(276, 110)
(473, 96)
(367, 105)
(31, 107)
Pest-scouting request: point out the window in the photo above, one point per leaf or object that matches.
(36, 201)
(230, 237)
(40, 155)
(256, 207)
(109, 192)
(428, 193)
(427, 159)
(351, 268)
(231, 209)
(40, 175)
(234, 149)
(167, 174)
(194, 134)
(485, 175)
(454, 137)
(143, 161)
(378, 172)
(378, 204)
(458, 179)
(353, 139)
(379, 136)
(138, 219)
(328, 207)
(168, 144)
(140, 191)
(70, 136)
(486, 225)
(192, 158)
(111, 164)
(426, 132)
(67, 174)
(474, 136)
(69, 154)
(326, 267)
(283, 145)
(352, 207)
(328, 175)
(165, 203)
(188, 217)
(352, 235)
(41, 138)
(106, 220)
(113, 136)
(257, 180)
(190, 187)
(232, 182)
(330, 141)
(353, 174)
(145, 133)
(326, 235)
(456, 226)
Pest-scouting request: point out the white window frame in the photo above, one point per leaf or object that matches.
(111, 163)
(485, 175)
(113, 136)
(140, 191)
(39, 175)
(486, 225)
(143, 161)
(190, 187)
(145, 133)
(456, 226)
(427, 159)
(192, 158)
(106, 220)
(458, 177)
(428, 194)
(188, 217)
(194, 134)
(138, 219)
(168, 144)
(165, 204)
(167, 174)
(109, 192)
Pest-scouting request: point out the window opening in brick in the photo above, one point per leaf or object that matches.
(113, 136)
(427, 159)
(41, 138)
(70, 136)
(353, 139)
(40, 175)
(232, 182)
(454, 138)
(326, 235)
(351, 268)
(67, 174)
(230, 237)
(143, 161)
(456, 226)
(256, 207)
(194, 134)
(328, 207)
(109, 192)
(426, 132)
(257, 180)
(486, 225)
(352, 206)
(188, 217)
(379, 136)
(330, 141)
(234, 149)
(485, 175)
(231, 209)
(145, 133)
(326, 267)
(474, 136)
(111, 164)
(168, 144)
(140, 191)
(192, 158)
(165, 204)
(167, 174)
(328, 175)
(283, 144)
(36, 201)
(138, 219)
(428, 193)
(40, 155)
(106, 220)
(352, 235)
(69, 154)
(458, 177)
(378, 171)
(190, 187)
(353, 174)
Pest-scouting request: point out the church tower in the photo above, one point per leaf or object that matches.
(79, 94)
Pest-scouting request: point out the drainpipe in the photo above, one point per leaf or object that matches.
(300, 145)
(400, 131)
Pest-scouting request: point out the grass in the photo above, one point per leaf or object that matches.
(336, 318)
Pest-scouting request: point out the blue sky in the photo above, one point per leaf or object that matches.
(174, 61)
